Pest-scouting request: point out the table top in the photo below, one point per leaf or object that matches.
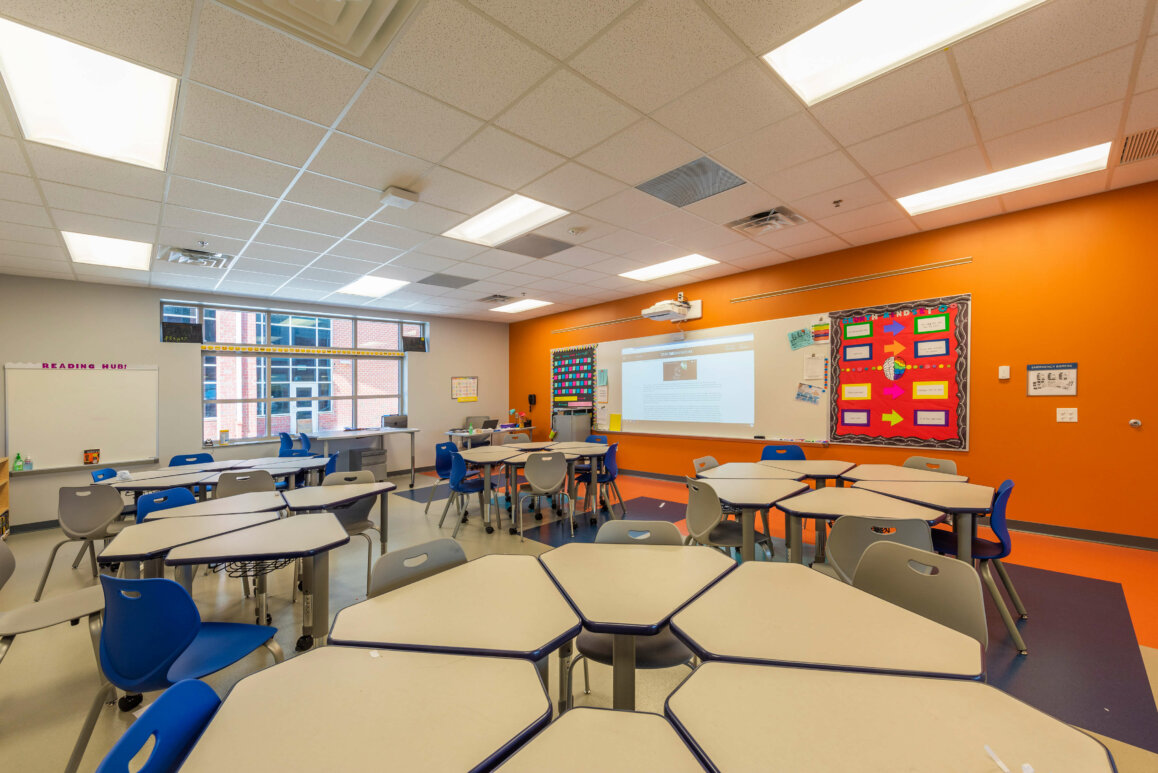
(834, 502)
(253, 502)
(158, 483)
(498, 604)
(811, 468)
(537, 445)
(632, 588)
(628, 742)
(228, 464)
(487, 454)
(789, 614)
(520, 458)
(897, 472)
(749, 470)
(143, 541)
(322, 497)
(950, 497)
(754, 492)
(301, 535)
(885, 723)
(163, 472)
(583, 449)
(355, 709)
(470, 433)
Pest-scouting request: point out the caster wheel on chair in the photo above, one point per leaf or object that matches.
(513, 531)
(304, 643)
(538, 516)
(129, 702)
(464, 517)
(490, 530)
(594, 521)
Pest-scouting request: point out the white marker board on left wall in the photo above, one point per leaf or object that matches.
(54, 415)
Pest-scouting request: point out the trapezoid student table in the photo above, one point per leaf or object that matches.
(487, 457)
(325, 497)
(355, 709)
(251, 502)
(820, 472)
(262, 549)
(149, 542)
(963, 501)
(748, 471)
(896, 472)
(750, 495)
(629, 591)
(884, 722)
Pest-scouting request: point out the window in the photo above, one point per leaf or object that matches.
(170, 313)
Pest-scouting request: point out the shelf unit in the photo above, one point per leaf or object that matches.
(5, 485)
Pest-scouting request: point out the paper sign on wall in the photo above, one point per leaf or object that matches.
(798, 339)
(813, 367)
(1054, 378)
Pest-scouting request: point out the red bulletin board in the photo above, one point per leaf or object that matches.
(900, 374)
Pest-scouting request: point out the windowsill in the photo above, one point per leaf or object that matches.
(232, 443)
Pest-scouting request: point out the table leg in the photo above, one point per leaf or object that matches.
(795, 539)
(963, 527)
(486, 508)
(153, 568)
(821, 530)
(623, 671)
(543, 666)
(411, 457)
(593, 489)
(564, 662)
(383, 519)
(291, 482)
(748, 549)
(315, 600)
(184, 576)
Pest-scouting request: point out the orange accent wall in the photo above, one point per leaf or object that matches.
(1073, 281)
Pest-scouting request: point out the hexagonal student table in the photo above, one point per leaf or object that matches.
(749, 471)
(750, 495)
(898, 472)
(252, 502)
(963, 500)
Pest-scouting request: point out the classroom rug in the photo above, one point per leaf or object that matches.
(1084, 666)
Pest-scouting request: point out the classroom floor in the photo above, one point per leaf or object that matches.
(48, 678)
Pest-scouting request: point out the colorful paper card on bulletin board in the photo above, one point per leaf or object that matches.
(464, 388)
(901, 374)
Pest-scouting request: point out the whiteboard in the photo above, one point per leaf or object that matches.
(54, 415)
(779, 371)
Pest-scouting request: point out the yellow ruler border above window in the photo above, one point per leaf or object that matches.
(243, 349)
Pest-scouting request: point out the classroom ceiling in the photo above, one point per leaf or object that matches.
(282, 148)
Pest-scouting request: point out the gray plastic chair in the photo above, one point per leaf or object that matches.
(355, 517)
(947, 466)
(663, 650)
(706, 524)
(243, 482)
(940, 588)
(704, 463)
(852, 534)
(86, 514)
(518, 437)
(399, 568)
(546, 475)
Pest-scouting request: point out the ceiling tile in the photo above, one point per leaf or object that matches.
(389, 236)
(658, 51)
(563, 29)
(572, 187)
(639, 153)
(790, 142)
(628, 208)
(656, 253)
(88, 171)
(621, 242)
(15, 187)
(501, 259)
(1059, 94)
(27, 214)
(103, 226)
(214, 198)
(12, 264)
(348, 248)
(566, 114)
(733, 204)
(918, 141)
(280, 254)
(574, 257)
(309, 284)
(398, 117)
(421, 217)
(544, 268)
(733, 253)
(353, 160)
(1044, 39)
(455, 249)
(616, 265)
(671, 225)
(29, 233)
(917, 90)
(497, 157)
(236, 54)
(207, 223)
(767, 24)
(949, 168)
(45, 252)
(818, 247)
(879, 233)
(314, 274)
(11, 159)
(820, 174)
(728, 107)
(303, 293)
(1070, 133)
(1062, 190)
(176, 237)
(238, 276)
(234, 170)
(1143, 112)
(447, 188)
(221, 119)
(872, 215)
(575, 229)
(401, 273)
(6, 127)
(313, 219)
(487, 71)
(335, 195)
(280, 236)
(472, 270)
(268, 267)
(852, 196)
(1135, 174)
(765, 258)
(1148, 68)
(797, 234)
(974, 210)
(708, 238)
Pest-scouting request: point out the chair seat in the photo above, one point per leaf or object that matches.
(357, 527)
(52, 611)
(663, 650)
(469, 486)
(946, 542)
(528, 489)
(730, 534)
(216, 646)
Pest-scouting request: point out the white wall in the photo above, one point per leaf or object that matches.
(47, 320)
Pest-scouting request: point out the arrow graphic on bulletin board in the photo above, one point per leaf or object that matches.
(894, 327)
(893, 391)
(894, 348)
(892, 417)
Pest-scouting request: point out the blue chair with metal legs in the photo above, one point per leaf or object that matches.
(606, 482)
(163, 500)
(105, 474)
(784, 453)
(176, 720)
(442, 467)
(462, 485)
(584, 466)
(185, 459)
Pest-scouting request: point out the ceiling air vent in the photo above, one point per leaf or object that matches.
(447, 280)
(765, 222)
(196, 258)
(1140, 146)
(534, 245)
(496, 299)
(691, 182)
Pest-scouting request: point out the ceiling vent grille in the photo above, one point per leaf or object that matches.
(496, 299)
(534, 245)
(447, 280)
(1140, 146)
(765, 222)
(196, 258)
(692, 182)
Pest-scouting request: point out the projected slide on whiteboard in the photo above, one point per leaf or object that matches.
(706, 381)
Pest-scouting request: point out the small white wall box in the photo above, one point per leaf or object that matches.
(399, 197)
(1003, 372)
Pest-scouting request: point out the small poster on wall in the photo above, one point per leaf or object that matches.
(1053, 378)
(464, 389)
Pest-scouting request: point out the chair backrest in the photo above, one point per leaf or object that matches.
(358, 510)
(305, 441)
(163, 500)
(947, 466)
(183, 459)
(852, 534)
(704, 509)
(7, 563)
(940, 588)
(243, 482)
(88, 510)
(546, 471)
(147, 625)
(332, 463)
(997, 518)
(175, 721)
(442, 455)
(105, 474)
(457, 470)
(402, 567)
(610, 465)
(787, 452)
(518, 437)
(596, 439)
(625, 532)
(475, 421)
(287, 441)
(704, 463)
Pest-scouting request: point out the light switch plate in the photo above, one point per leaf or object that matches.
(1067, 414)
(1003, 372)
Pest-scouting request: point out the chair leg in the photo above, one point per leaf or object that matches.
(275, 650)
(92, 558)
(105, 694)
(991, 586)
(430, 498)
(446, 508)
(80, 555)
(458, 521)
(586, 678)
(618, 496)
(48, 568)
(1010, 589)
(369, 560)
(5, 643)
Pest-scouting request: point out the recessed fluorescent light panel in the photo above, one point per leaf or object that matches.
(509, 218)
(1048, 170)
(80, 99)
(104, 251)
(669, 267)
(875, 36)
(372, 286)
(524, 305)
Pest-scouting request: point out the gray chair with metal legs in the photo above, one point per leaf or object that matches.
(355, 517)
(546, 476)
(518, 437)
(704, 463)
(852, 534)
(706, 523)
(417, 562)
(86, 514)
(243, 482)
(940, 588)
(947, 466)
(663, 650)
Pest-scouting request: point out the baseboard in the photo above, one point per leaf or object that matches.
(653, 475)
(19, 528)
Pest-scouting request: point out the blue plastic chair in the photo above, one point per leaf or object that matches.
(105, 474)
(163, 500)
(287, 442)
(462, 485)
(783, 453)
(596, 439)
(305, 442)
(177, 718)
(332, 463)
(988, 552)
(293, 452)
(183, 459)
(442, 466)
(605, 479)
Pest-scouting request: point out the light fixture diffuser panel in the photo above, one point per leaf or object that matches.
(106, 251)
(511, 217)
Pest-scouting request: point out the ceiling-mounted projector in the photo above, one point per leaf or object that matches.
(674, 311)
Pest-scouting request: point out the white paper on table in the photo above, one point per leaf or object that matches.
(813, 367)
